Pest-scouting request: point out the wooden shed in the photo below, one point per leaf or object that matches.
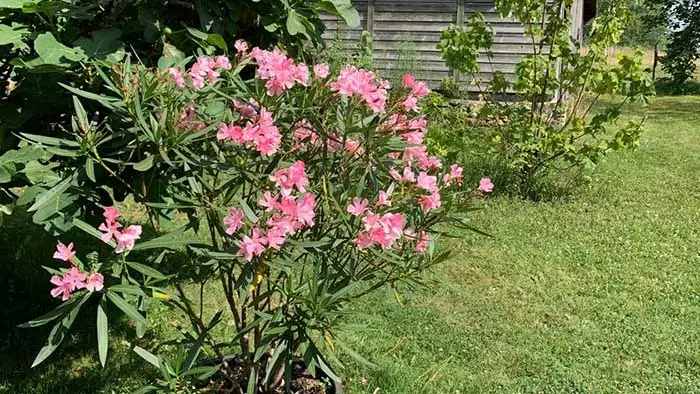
(416, 25)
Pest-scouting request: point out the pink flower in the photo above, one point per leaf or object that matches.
(110, 229)
(420, 89)
(127, 238)
(485, 185)
(429, 202)
(278, 70)
(275, 238)
(64, 252)
(110, 214)
(234, 221)
(383, 199)
(293, 176)
(303, 134)
(353, 147)
(427, 182)
(301, 74)
(455, 175)
(74, 279)
(178, 77)
(62, 289)
(305, 210)
(358, 207)
(203, 68)
(230, 132)
(410, 104)
(320, 71)
(95, 282)
(384, 230)
(222, 62)
(241, 46)
(253, 245)
(269, 202)
(408, 175)
(352, 81)
(423, 242)
(408, 80)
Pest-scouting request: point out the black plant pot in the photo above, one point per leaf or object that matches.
(332, 386)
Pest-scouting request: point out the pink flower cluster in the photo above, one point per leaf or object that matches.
(73, 280)
(126, 238)
(352, 81)
(278, 70)
(205, 69)
(382, 230)
(287, 213)
(259, 132)
(418, 90)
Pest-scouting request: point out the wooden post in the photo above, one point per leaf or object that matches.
(656, 61)
(370, 18)
(459, 20)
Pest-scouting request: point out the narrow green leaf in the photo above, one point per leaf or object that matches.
(91, 230)
(127, 308)
(51, 141)
(146, 270)
(128, 289)
(54, 314)
(52, 194)
(145, 164)
(102, 332)
(90, 169)
(148, 356)
(59, 332)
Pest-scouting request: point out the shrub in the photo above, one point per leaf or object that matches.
(308, 190)
(548, 118)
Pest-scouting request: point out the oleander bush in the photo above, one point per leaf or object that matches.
(303, 190)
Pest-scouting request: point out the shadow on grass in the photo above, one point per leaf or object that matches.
(24, 290)
(666, 87)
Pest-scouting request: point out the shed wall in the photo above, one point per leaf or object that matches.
(410, 30)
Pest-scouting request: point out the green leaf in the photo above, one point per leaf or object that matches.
(18, 4)
(52, 52)
(168, 241)
(295, 24)
(148, 356)
(217, 41)
(52, 195)
(146, 270)
(14, 35)
(59, 332)
(91, 230)
(90, 169)
(54, 314)
(23, 155)
(128, 289)
(108, 102)
(127, 308)
(38, 173)
(145, 164)
(50, 141)
(104, 45)
(102, 332)
(7, 170)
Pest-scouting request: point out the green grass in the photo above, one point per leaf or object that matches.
(595, 295)
(598, 294)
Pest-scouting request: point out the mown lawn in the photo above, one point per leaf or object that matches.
(599, 294)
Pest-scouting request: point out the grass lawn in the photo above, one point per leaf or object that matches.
(600, 294)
